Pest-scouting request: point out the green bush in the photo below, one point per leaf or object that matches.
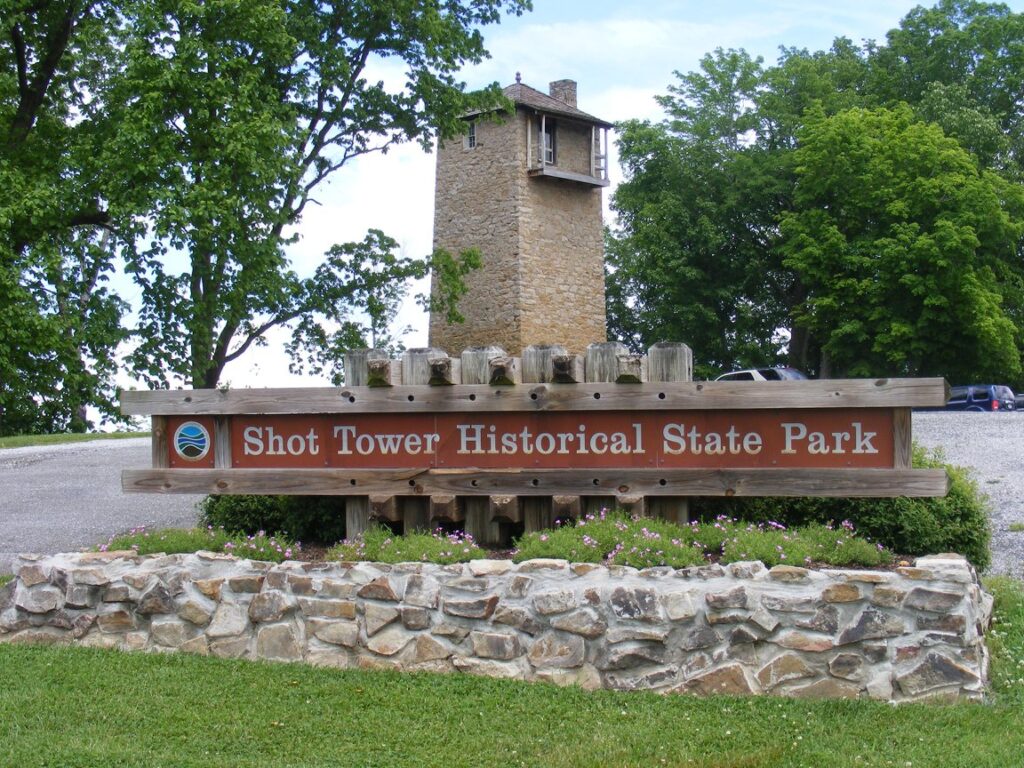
(304, 518)
(378, 544)
(957, 522)
(614, 538)
(257, 546)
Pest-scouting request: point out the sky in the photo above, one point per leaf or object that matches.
(622, 54)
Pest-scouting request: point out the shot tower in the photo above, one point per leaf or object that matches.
(524, 187)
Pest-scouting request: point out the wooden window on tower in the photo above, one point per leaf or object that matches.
(471, 136)
(549, 142)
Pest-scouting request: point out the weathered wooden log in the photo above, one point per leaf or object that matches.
(538, 362)
(566, 507)
(479, 523)
(357, 515)
(356, 367)
(505, 508)
(383, 373)
(445, 507)
(537, 513)
(567, 369)
(476, 364)
(611, 361)
(633, 504)
(669, 361)
(417, 369)
(504, 371)
(384, 508)
(444, 370)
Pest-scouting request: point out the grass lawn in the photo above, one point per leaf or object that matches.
(81, 707)
(21, 441)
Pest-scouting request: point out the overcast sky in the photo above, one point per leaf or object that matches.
(620, 54)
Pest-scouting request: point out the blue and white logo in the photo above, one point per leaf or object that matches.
(191, 441)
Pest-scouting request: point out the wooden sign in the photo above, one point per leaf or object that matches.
(827, 438)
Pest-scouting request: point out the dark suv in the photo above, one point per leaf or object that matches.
(981, 397)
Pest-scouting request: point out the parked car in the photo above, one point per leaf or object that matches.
(981, 397)
(1018, 401)
(763, 374)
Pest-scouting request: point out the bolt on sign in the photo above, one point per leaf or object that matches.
(827, 438)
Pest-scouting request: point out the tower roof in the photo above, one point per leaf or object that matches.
(524, 95)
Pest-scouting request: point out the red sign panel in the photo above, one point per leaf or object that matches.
(794, 438)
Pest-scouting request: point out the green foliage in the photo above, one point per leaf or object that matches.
(6, 578)
(258, 546)
(616, 539)
(851, 212)
(957, 522)
(1005, 640)
(898, 273)
(305, 518)
(378, 544)
(21, 441)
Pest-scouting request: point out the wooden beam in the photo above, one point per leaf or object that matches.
(497, 483)
(597, 396)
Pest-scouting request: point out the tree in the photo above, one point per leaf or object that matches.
(694, 257)
(239, 110)
(59, 322)
(896, 234)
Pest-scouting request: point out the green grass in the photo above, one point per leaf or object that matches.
(1016, 527)
(82, 707)
(22, 441)
(6, 577)
(380, 545)
(617, 539)
(170, 541)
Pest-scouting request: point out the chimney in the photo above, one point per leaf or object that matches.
(563, 90)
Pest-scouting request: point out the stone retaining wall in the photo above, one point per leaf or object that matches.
(910, 634)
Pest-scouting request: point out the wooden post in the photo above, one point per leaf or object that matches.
(538, 362)
(602, 366)
(417, 369)
(358, 373)
(611, 361)
(539, 368)
(476, 369)
(504, 371)
(161, 442)
(670, 361)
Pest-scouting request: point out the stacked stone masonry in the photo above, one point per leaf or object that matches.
(912, 634)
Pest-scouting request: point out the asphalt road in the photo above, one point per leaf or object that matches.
(68, 497)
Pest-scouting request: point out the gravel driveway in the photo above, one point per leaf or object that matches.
(63, 498)
(68, 497)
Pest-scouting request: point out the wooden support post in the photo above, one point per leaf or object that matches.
(566, 507)
(417, 369)
(359, 373)
(538, 362)
(504, 371)
(670, 361)
(383, 373)
(477, 368)
(444, 370)
(611, 361)
(161, 442)
(633, 504)
(384, 508)
(567, 369)
(476, 364)
(505, 508)
(445, 507)
(601, 366)
(356, 364)
(221, 443)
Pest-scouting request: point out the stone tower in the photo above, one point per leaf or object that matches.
(524, 188)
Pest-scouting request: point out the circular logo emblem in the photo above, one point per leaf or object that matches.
(191, 441)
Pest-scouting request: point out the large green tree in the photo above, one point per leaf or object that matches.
(59, 321)
(712, 210)
(895, 233)
(241, 110)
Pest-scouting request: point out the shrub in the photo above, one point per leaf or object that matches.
(307, 518)
(615, 539)
(379, 544)
(957, 522)
(258, 546)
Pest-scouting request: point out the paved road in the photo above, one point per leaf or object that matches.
(68, 497)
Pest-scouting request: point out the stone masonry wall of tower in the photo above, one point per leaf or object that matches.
(542, 279)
